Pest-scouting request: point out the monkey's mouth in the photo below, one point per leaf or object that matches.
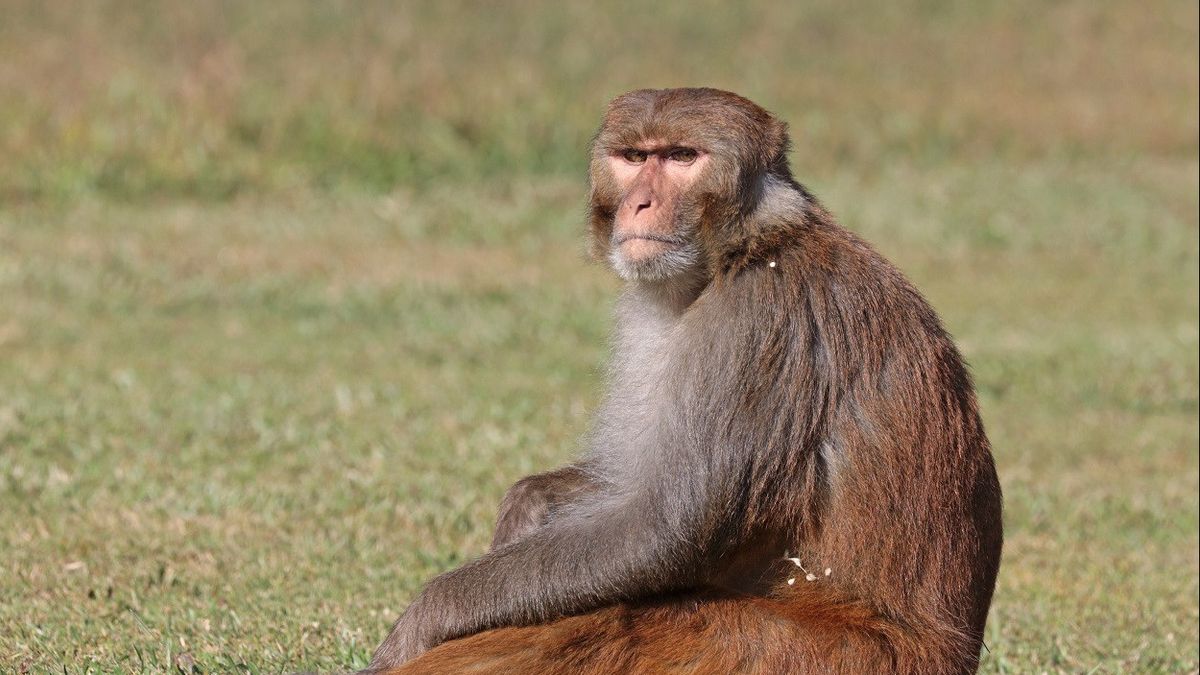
(662, 239)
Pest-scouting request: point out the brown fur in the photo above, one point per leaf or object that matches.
(705, 635)
(789, 391)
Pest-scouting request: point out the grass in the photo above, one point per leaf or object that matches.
(290, 293)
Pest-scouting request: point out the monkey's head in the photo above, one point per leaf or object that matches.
(674, 173)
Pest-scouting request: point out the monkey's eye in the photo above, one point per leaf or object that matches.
(683, 155)
(634, 156)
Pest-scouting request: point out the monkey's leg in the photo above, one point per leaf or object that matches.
(531, 501)
(705, 635)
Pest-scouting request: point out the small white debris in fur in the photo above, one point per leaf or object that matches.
(808, 576)
(771, 264)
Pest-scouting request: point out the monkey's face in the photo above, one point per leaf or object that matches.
(654, 227)
(673, 171)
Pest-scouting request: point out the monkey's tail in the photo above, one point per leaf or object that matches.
(805, 632)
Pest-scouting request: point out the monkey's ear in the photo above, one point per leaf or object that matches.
(600, 226)
(776, 148)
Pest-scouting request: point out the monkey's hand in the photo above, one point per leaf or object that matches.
(527, 507)
(413, 634)
(622, 546)
(530, 502)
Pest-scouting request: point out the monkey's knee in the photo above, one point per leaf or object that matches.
(524, 509)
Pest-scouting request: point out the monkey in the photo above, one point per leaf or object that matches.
(788, 473)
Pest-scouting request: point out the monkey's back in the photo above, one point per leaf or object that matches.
(910, 520)
(861, 430)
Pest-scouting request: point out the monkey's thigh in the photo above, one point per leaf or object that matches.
(685, 636)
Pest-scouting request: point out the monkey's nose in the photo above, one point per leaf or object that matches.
(643, 203)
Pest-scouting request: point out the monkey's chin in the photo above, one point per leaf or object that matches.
(638, 249)
(648, 260)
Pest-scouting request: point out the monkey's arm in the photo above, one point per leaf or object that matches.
(616, 548)
(532, 501)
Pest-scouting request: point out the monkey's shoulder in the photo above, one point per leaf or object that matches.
(805, 253)
(826, 269)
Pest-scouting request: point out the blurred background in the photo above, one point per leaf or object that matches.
(290, 292)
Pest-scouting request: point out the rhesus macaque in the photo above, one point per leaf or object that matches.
(788, 474)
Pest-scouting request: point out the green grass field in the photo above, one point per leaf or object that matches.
(291, 292)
